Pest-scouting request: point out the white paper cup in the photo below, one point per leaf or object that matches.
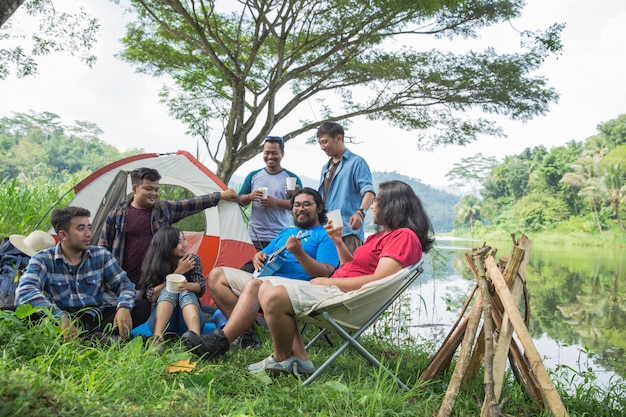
(172, 282)
(335, 217)
(291, 183)
(264, 190)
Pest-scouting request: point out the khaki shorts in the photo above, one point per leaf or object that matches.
(237, 279)
(303, 295)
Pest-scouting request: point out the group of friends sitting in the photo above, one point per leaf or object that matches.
(108, 289)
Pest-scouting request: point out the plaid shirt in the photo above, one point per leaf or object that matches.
(164, 213)
(49, 281)
(195, 275)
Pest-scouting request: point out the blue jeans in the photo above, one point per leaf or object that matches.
(176, 324)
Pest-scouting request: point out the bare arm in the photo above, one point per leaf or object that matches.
(386, 266)
(312, 266)
(356, 220)
(335, 235)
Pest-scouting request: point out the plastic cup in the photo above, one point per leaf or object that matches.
(264, 190)
(172, 282)
(291, 183)
(335, 217)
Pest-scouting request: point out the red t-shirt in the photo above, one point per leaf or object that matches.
(402, 245)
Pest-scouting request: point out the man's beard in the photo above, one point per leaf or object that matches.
(307, 224)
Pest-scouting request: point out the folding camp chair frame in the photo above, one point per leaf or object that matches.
(350, 337)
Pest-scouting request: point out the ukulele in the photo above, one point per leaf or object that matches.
(276, 259)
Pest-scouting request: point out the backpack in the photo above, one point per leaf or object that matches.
(13, 263)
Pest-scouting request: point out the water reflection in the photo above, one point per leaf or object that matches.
(577, 308)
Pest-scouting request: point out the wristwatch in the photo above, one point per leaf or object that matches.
(362, 212)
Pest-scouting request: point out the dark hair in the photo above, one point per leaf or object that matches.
(399, 207)
(159, 260)
(62, 218)
(316, 197)
(276, 139)
(138, 175)
(330, 128)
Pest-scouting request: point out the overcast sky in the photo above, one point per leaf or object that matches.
(589, 76)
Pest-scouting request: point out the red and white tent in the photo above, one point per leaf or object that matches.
(225, 240)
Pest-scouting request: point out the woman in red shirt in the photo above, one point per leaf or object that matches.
(404, 234)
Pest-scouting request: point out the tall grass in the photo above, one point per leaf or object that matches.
(43, 375)
(26, 206)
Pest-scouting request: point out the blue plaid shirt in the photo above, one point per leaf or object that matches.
(49, 281)
(164, 213)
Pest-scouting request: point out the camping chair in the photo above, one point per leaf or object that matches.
(356, 312)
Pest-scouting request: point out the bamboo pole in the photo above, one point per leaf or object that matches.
(520, 365)
(490, 408)
(516, 267)
(457, 376)
(553, 399)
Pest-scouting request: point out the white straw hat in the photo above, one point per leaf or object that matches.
(33, 243)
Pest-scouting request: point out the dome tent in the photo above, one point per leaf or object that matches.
(224, 240)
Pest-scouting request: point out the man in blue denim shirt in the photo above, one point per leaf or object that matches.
(345, 183)
(70, 279)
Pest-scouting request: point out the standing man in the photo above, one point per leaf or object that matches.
(129, 227)
(71, 278)
(269, 215)
(345, 183)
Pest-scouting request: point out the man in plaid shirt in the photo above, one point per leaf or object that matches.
(129, 227)
(71, 278)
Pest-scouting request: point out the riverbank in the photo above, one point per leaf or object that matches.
(563, 236)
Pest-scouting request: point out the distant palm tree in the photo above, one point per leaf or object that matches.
(468, 210)
(614, 189)
(586, 178)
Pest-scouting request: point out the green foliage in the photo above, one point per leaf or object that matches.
(539, 189)
(467, 211)
(249, 66)
(538, 210)
(25, 206)
(39, 146)
(73, 34)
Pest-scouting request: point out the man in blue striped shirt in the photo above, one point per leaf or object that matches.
(70, 278)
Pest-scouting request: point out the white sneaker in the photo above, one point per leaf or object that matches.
(261, 366)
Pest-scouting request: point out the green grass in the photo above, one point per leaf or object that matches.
(43, 375)
(26, 206)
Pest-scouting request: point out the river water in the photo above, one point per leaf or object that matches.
(577, 305)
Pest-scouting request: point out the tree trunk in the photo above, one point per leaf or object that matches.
(595, 210)
(7, 8)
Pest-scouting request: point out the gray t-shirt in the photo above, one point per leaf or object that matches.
(264, 223)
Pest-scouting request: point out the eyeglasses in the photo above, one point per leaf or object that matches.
(305, 205)
(273, 139)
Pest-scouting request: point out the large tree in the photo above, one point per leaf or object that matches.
(247, 68)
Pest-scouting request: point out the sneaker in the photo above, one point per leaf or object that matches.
(261, 366)
(292, 365)
(212, 345)
(247, 340)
